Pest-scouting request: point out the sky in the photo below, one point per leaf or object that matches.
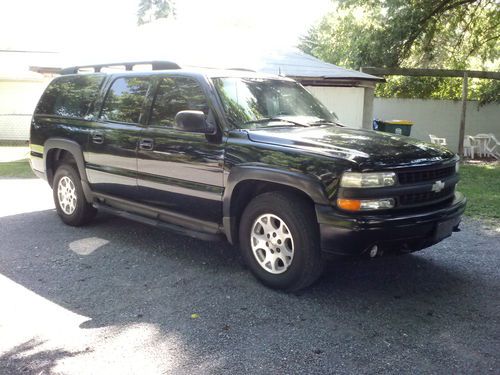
(92, 30)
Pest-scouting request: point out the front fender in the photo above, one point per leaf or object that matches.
(309, 185)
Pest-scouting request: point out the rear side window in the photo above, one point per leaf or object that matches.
(176, 94)
(125, 100)
(71, 96)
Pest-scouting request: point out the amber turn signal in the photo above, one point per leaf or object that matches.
(349, 204)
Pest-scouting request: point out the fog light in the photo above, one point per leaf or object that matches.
(365, 204)
(377, 204)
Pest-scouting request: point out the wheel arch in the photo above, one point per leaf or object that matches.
(57, 149)
(246, 182)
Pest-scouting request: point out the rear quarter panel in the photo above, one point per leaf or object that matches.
(45, 127)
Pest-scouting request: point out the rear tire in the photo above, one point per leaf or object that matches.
(71, 205)
(279, 241)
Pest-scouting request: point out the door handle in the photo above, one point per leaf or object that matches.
(98, 138)
(146, 144)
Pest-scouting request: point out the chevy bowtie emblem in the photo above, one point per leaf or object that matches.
(437, 186)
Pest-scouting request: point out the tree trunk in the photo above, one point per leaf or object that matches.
(461, 133)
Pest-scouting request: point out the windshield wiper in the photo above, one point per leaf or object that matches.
(329, 122)
(269, 119)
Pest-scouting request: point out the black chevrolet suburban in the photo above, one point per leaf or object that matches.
(248, 157)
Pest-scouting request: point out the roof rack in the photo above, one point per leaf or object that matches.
(242, 69)
(155, 65)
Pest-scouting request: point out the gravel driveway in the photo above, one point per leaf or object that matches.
(118, 297)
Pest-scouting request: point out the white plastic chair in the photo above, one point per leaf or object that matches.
(437, 140)
(482, 140)
(470, 145)
(492, 147)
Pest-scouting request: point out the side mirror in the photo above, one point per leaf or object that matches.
(194, 122)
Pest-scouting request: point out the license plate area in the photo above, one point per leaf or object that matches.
(444, 229)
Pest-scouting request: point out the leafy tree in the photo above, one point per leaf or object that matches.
(150, 10)
(444, 34)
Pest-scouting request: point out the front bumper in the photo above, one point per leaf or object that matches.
(345, 234)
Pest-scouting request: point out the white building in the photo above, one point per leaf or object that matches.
(20, 90)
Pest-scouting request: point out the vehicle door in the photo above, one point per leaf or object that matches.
(180, 171)
(112, 152)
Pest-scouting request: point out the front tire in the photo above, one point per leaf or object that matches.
(279, 240)
(71, 205)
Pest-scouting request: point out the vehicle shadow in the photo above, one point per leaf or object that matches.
(362, 315)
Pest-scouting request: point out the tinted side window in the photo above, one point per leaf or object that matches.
(125, 99)
(176, 94)
(71, 96)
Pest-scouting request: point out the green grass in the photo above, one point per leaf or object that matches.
(481, 185)
(16, 169)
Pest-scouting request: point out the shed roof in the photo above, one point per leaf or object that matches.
(295, 63)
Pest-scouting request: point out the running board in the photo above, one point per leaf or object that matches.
(158, 223)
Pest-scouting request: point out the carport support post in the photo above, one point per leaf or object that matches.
(461, 133)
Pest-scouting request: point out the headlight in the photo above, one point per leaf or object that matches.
(457, 167)
(369, 180)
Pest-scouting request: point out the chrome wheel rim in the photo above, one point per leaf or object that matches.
(66, 194)
(272, 243)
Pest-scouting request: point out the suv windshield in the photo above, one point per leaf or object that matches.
(252, 102)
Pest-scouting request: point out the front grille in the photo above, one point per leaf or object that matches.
(412, 177)
(414, 189)
(425, 197)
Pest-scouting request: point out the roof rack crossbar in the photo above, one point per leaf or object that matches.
(243, 69)
(155, 65)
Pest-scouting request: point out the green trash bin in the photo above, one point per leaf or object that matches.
(401, 127)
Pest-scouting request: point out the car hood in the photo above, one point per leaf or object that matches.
(369, 149)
